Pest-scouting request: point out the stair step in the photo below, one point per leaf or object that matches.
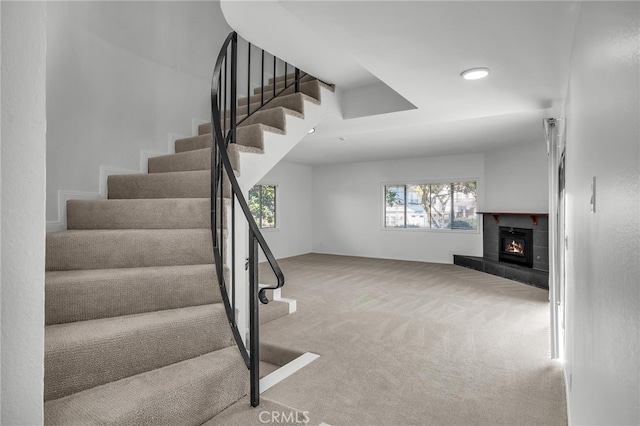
(274, 117)
(273, 310)
(248, 139)
(193, 143)
(291, 76)
(293, 101)
(127, 248)
(199, 159)
(309, 88)
(193, 184)
(167, 213)
(85, 354)
(194, 160)
(83, 295)
(186, 393)
(268, 88)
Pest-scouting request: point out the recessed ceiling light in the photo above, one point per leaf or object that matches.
(343, 138)
(475, 73)
(313, 130)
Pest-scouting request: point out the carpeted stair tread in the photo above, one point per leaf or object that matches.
(192, 184)
(291, 76)
(293, 101)
(273, 310)
(83, 295)
(127, 248)
(167, 213)
(273, 117)
(186, 393)
(248, 138)
(81, 355)
(199, 159)
(193, 143)
(195, 160)
(309, 88)
(268, 89)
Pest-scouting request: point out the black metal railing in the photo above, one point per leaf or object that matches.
(226, 191)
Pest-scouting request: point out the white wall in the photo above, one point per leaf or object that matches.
(22, 212)
(121, 76)
(348, 209)
(293, 208)
(603, 291)
(516, 179)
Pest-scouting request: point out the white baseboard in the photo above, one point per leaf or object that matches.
(287, 370)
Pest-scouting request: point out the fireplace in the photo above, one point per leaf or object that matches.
(516, 246)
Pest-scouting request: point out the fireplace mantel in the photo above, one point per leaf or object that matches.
(533, 216)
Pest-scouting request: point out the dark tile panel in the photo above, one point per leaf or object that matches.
(541, 258)
(490, 249)
(494, 268)
(518, 273)
(468, 262)
(540, 238)
(543, 223)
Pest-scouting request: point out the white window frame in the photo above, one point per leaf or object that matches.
(277, 200)
(383, 198)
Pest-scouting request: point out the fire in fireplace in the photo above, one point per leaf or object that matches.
(516, 246)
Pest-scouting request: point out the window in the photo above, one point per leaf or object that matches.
(450, 205)
(262, 203)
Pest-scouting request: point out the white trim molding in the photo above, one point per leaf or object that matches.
(287, 370)
(64, 195)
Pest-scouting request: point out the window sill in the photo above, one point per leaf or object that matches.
(269, 229)
(439, 231)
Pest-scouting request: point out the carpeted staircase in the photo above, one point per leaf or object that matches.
(136, 332)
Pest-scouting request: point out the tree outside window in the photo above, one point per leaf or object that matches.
(262, 203)
(450, 205)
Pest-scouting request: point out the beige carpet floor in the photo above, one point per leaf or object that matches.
(410, 343)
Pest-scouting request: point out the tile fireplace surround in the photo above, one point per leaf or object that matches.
(538, 275)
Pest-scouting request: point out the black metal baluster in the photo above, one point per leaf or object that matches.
(274, 75)
(249, 80)
(233, 252)
(254, 326)
(262, 79)
(224, 110)
(297, 79)
(234, 88)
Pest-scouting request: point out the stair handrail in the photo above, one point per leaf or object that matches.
(221, 167)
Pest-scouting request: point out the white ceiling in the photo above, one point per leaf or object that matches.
(418, 49)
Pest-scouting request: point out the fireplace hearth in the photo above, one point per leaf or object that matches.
(516, 246)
